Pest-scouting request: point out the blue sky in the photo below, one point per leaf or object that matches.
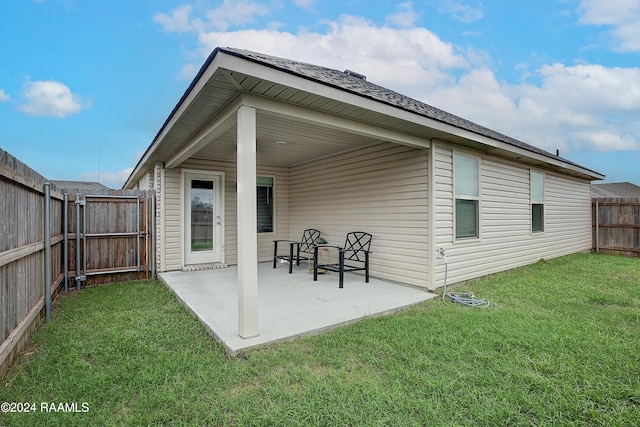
(85, 85)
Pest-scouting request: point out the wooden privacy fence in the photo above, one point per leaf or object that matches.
(616, 226)
(90, 237)
(22, 253)
(109, 236)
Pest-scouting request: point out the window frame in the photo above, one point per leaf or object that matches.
(467, 197)
(273, 198)
(536, 202)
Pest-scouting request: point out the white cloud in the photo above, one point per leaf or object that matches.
(4, 97)
(178, 20)
(417, 54)
(229, 13)
(189, 71)
(405, 17)
(50, 98)
(110, 179)
(461, 12)
(606, 140)
(304, 4)
(621, 16)
(571, 108)
(593, 88)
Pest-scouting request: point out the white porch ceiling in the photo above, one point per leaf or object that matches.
(286, 142)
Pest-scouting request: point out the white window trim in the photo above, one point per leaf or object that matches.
(544, 202)
(274, 219)
(477, 198)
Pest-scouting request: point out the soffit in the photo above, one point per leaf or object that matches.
(304, 141)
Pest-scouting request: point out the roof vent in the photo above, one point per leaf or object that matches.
(354, 74)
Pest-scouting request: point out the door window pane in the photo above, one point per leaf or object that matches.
(201, 215)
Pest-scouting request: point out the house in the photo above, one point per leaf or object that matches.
(616, 190)
(79, 185)
(260, 148)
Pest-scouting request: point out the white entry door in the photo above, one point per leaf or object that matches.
(203, 218)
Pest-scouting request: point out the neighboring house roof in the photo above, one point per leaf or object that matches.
(239, 78)
(622, 190)
(79, 185)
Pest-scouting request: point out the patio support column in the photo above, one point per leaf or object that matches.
(247, 223)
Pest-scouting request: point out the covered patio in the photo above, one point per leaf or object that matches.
(267, 153)
(289, 305)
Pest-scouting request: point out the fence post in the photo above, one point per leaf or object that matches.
(65, 249)
(47, 251)
(138, 235)
(78, 278)
(597, 227)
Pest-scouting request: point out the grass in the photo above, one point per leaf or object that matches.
(560, 345)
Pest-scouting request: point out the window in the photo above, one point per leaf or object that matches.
(467, 195)
(537, 202)
(265, 204)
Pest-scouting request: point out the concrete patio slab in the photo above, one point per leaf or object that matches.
(289, 305)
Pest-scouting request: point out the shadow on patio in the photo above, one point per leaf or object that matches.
(289, 305)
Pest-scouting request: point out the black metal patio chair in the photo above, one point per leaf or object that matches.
(353, 256)
(303, 248)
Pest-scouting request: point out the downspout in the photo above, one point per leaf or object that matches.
(153, 235)
(597, 226)
(66, 241)
(78, 234)
(47, 251)
(161, 206)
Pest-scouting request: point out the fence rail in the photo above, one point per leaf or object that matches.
(616, 226)
(94, 236)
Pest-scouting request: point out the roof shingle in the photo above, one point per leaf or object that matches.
(622, 190)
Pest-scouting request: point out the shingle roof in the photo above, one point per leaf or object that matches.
(79, 185)
(623, 190)
(348, 82)
(352, 83)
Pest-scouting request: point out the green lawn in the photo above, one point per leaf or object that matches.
(559, 345)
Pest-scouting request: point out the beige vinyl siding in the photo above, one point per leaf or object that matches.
(443, 197)
(382, 190)
(506, 240)
(173, 208)
(567, 215)
(172, 226)
(146, 181)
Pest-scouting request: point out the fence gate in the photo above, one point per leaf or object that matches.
(616, 226)
(111, 236)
